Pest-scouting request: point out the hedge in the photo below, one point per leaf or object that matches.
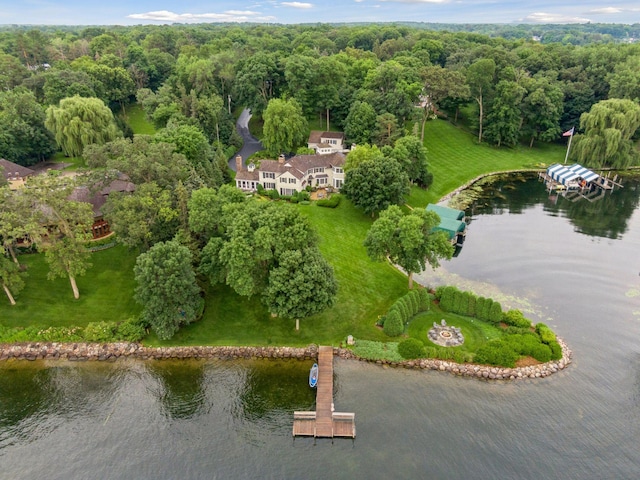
(411, 348)
(393, 324)
(332, 202)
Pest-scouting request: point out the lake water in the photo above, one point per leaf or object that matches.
(575, 266)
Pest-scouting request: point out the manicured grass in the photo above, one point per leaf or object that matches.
(455, 158)
(366, 290)
(76, 162)
(106, 293)
(137, 120)
(475, 332)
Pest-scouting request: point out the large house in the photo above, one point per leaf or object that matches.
(325, 143)
(14, 174)
(293, 175)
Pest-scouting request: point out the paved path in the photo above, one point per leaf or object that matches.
(251, 144)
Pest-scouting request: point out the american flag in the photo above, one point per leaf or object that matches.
(568, 133)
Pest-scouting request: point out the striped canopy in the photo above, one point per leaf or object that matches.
(561, 174)
(584, 173)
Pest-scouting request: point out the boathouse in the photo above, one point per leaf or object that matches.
(451, 222)
(577, 181)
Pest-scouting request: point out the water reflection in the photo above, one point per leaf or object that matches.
(605, 217)
(274, 387)
(180, 387)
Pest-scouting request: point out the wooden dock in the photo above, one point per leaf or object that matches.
(324, 422)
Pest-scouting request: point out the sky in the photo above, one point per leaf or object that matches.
(132, 12)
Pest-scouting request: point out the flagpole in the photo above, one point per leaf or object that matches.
(566, 157)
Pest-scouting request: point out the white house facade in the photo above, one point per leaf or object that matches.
(293, 175)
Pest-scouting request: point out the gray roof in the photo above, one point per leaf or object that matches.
(316, 136)
(299, 164)
(12, 170)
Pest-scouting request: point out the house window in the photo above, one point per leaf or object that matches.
(292, 180)
(318, 170)
(322, 181)
(268, 175)
(338, 170)
(338, 183)
(269, 186)
(283, 180)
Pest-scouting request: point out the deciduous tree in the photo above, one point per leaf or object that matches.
(408, 240)
(167, 288)
(285, 127)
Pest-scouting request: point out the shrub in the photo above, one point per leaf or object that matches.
(496, 352)
(484, 313)
(541, 352)
(272, 194)
(480, 301)
(131, 330)
(440, 291)
(303, 196)
(495, 313)
(332, 202)
(100, 332)
(546, 334)
(411, 348)
(425, 299)
(403, 309)
(516, 318)
(471, 307)
(459, 303)
(393, 325)
(447, 299)
(414, 301)
(377, 350)
(556, 350)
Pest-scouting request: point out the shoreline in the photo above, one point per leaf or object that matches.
(111, 352)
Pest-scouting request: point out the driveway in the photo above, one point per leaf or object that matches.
(250, 144)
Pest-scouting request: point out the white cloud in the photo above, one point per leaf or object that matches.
(541, 17)
(416, 1)
(605, 10)
(297, 4)
(228, 16)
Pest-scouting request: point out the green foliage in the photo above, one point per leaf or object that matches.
(556, 350)
(495, 313)
(100, 332)
(285, 127)
(377, 350)
(516, 318)
(447, 298)
(332, 202)
(471, 306)
(393, 324)
(167, 288)
(414, 300)
(79, 122)
(496, 352)
(546, 334)
(411, 348)
(460, 303)
(425, 299)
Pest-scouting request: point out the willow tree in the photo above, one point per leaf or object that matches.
(285, 126)
(10, 277)
(609, 128)
(78, 122)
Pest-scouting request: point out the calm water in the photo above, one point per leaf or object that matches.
(575, 266)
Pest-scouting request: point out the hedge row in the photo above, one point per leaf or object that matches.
(332, 202)
(404, 309)
(467, 304)
(505, 351)
(130, 330)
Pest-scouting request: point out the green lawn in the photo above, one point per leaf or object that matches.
(106, 293)
(137, 120)
(455, 158)
(476, 332)
(76, 162)
(366, 290)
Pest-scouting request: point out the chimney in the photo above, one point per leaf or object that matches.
(239, 163)
(281, 159)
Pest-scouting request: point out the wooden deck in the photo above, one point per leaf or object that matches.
(324, 422)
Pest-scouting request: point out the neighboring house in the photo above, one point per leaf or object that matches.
(15, 174)
(293, 175)
(97, 199)
(325, 143)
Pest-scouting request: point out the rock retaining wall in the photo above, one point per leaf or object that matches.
(115, 351)
(478, 371)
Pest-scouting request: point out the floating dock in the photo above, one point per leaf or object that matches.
(324, 422)
(577, 182)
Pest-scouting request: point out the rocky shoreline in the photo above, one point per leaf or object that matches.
(115, 351)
